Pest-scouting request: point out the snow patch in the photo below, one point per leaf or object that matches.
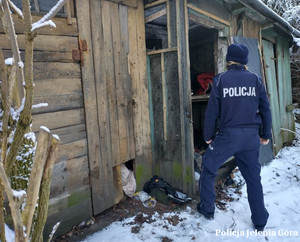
(45, 21)
(16, 9)
(40, 105)
(19, 194)
(281, 183)
(39, 24)
(21, 64)
(9, 61)
(55, 136)
(9, 234)
(45, 129)
(296, 40)
(30, 136)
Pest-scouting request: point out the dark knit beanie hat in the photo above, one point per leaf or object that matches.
(237, 53)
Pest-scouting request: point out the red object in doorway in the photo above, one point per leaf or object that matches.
(205, 81)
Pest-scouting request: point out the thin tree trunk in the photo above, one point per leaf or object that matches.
(2, 227)
(25, 117)
(14, 206)
(8, 25)
(45, 192)
(4, 138)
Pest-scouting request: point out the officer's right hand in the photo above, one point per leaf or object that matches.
(208, 142)
(264, 141)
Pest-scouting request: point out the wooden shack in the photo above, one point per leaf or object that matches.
(117, 77)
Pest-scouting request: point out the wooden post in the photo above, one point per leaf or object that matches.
(185, 98)
(42, 211)
(35, 178)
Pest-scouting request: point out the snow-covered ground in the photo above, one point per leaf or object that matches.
(281, 182)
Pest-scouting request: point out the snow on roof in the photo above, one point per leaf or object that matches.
(263, 9)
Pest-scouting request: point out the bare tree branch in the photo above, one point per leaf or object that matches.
(49, 16)
(15, 210)
(9, 26)
(16, 9)
(26, 114)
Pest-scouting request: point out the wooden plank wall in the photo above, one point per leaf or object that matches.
(115, 96)
(271, 79)
(171, 103)
(284, 88)
(244, 26)
(140, 95)
(57, 79)
(251, 29)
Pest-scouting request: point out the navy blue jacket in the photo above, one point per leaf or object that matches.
(239, 99)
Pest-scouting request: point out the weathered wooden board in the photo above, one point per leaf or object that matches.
(67, 96)
(57, 103)
(72, 150)
(58, 119)
(127, 82)
(155, 79)
(121, 108)
(44, 42)
(172, 27)
(55, 70)
(187, 180)
(101, 169)
(46, 56)
(110, 79)
(280, 85)
(130, 3)
(270, 73)
(284, 88)
(210, 23)
(62, 26)
(140, 99)
(251, 29)
(61, 86)
(70, 133)
(213, 9)
(70, 176)
(70, 209)
(173, 114)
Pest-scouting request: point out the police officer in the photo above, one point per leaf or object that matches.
(240, 103)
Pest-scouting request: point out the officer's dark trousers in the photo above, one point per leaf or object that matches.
(243, 144)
